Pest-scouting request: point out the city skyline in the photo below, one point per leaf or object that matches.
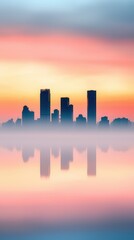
(113, 110)
(64, 116)
(64, 47)
(66, 119)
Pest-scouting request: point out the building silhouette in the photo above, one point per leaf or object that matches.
(70, 113)
(80, 120)
(55, 116)
(45, 105)
(9, 124)
(65, 118)
(27, 117)
(18, 123)
(121, 123)
(66, 111)
(91, 108)
(104, 122)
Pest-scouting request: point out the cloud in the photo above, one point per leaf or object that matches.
(112, 19)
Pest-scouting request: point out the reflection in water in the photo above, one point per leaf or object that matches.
(45, 162)
(66, 157)
(91, 160)
(55, 151)
(64, 149)
(27, 152)
(71, 204)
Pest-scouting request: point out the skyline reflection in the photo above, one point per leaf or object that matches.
(65, 150)
(81, 183)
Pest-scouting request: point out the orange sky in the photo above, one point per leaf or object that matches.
(69, 65)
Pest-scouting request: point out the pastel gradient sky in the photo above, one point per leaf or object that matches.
(69, 47)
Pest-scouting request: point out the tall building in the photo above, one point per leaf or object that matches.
(66, 111)
(91, 107)
(70, 113)
(27, 116)
(55, 116)
(45, 105)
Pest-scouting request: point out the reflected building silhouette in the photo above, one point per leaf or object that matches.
(27, 152)
(65, 147)
(104, 146)
(66, 157)
(55, 151)
(81, 148)
(45, 161)
(91, 160)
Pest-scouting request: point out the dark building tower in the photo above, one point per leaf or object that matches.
(66, 111)
(70, 113)
(55, 116)
(45, 100)
(91, 108)
(27, 116)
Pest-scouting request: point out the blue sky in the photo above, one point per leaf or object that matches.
(44, 4)
(105, 18)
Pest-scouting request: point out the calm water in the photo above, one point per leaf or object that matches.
(55, 187)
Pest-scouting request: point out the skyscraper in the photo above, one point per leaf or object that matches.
(70, 113)
(66, 111)
(91, 107)
(64, 108)
(55, 116)
(27, 116)
(45, 104)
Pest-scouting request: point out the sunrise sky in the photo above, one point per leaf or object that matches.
(69, 46)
